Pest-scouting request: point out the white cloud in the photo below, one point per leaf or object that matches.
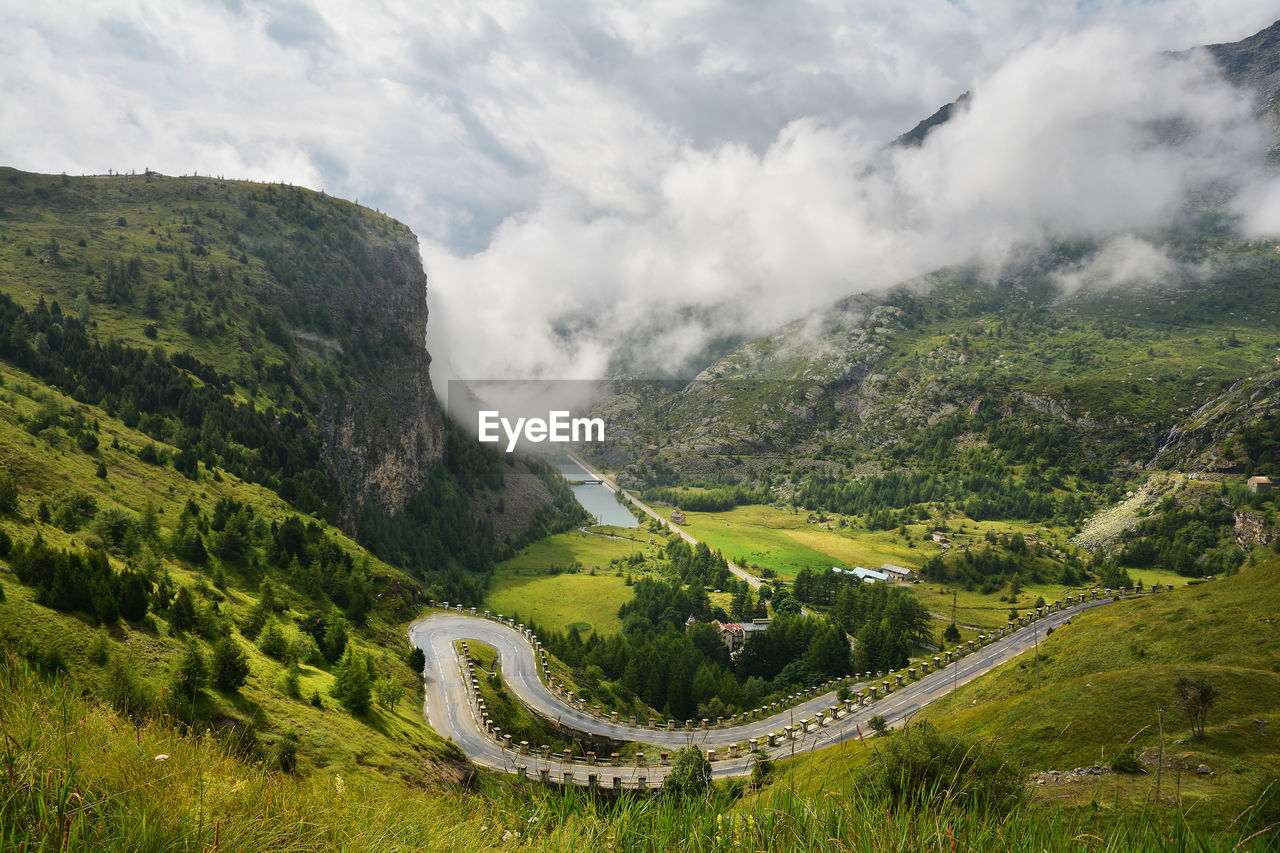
(581, 172)
(1123, 260)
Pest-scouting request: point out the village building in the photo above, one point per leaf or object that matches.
(736, 634)
(1260, 485)
(940, 537)
(864, 575)
(897, 573)
(678, 517)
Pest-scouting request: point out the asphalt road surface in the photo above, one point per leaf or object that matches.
(450, 711)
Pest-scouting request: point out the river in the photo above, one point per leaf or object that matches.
(594, 496)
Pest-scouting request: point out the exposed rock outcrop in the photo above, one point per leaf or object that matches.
(385, 436)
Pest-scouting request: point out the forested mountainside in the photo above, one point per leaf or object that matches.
(1042, 392)
(225, 480)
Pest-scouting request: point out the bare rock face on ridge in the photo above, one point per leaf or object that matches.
(385, 436)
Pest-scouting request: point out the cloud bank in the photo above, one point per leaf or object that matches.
(585, 175)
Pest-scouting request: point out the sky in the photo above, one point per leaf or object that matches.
(587, 176)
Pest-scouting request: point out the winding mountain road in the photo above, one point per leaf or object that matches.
(451, 711)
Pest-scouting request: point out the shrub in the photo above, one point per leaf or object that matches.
(191, 673)
(122, 689)
(925, 767)
(690, 774)
(8, 494)
(284, 755)
(388, 692)
(99, 649)
(1126, 761)
(272, 641)
(1194, 697)
(230, 667)
(762, 769)
(290, 685)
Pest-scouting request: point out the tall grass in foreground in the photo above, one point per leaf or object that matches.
(77, 776)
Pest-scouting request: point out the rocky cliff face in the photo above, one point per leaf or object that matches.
(385, 436)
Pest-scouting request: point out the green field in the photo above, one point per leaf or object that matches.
(783, 540)
(975, 610)
(557, 601)
(586, 549)
(786, 541)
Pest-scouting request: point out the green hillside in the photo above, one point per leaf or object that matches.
(200, 519)
(1101, 683)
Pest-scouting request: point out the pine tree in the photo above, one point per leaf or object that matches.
(272, 641)
(230, 666)
(135, 594)
(182, 615)
(192, 671)
(335, 638)
(351, 685)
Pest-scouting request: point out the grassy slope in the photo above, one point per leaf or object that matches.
(396, 742)
(90, 781)
(559, 601)
(588, 549)
(1104, 678)
(156, 219)
(524, 585)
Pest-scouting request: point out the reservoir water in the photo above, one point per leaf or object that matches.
(594, 496)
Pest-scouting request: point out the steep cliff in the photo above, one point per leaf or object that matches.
(307, 314)
(385, 436)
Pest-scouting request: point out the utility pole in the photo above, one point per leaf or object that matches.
(1160, 755)
(955, 672)
(1035, 629)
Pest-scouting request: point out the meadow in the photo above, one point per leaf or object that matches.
(561, 600)
(394, 741)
